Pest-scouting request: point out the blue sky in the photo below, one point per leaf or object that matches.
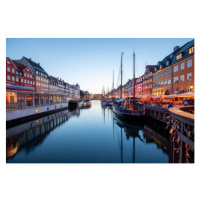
(90, 62)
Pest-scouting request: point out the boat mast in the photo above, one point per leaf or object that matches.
(121, 74)
(133, 75)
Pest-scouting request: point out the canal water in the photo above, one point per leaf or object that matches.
(87, 135)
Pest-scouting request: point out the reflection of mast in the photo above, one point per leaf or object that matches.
(121, 147)
(121, 75)
(133, 149)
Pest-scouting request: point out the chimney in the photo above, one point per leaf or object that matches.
(29, 58)
(176, 48)
(38, 63)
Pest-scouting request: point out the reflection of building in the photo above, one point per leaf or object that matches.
(32, 133)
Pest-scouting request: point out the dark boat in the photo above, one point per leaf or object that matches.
(129, 108)
(72, 104)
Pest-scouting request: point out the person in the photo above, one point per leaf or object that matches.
(170, 105)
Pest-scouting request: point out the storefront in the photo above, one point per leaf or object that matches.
(11, 97)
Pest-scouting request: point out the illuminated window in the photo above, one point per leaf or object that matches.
(189, 63)
(179, 56)
(176, 79)
(8, 69)
(158, 83)
(189, 76)
(8, 77)
(182, 66)
(182, 78)
(191, 50)
(176, 68)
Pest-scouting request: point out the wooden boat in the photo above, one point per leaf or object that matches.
(129, 108)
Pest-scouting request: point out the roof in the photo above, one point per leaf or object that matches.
(36, 65)
(171, 58)
(19, 66)
(53, 79)
(151, 67)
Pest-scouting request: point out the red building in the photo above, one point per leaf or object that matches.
(148, 80)
(18, 78)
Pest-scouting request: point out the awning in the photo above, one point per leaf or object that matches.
(119, 100)
(185, 94)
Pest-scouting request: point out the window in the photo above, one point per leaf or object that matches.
(165, 72)
(156, 75)
(22, 80)
(39, 78)
(31, 82)
(191, 50)
(38, 84)
(176, 79)
(182, 78)
(161, 67)
(169, 71)
(17, 79)
(158, 83)
(28, 70)
(167, 63)
(13, 70)
(189, 63)
(182, 66)
(179, 56)
(162, 82)
(28, 75)
(159, 75)
(8, 69)
(8, 77)
(189, 76)
(28, 81)
(13, 78)
(175, 90)
(24, 74)
(165, 81)
(37, 72)
(182, 89)
(176, 68)
(153, 84)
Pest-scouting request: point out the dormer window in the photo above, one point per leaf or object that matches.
(167, 63)
(155, 69)
(179, 56)
(191, 50)
(160, 66)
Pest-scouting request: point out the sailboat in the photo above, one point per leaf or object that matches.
(129, 108)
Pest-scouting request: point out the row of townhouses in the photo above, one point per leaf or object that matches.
(29, 83)
(173, 75)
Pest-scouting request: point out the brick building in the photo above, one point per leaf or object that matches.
(148, 80)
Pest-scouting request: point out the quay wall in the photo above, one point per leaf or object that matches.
(21, 113)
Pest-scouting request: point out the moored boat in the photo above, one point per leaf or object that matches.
(73, 104)
(104, 102)
(87, 104)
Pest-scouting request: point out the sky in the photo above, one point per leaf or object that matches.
(90, 61)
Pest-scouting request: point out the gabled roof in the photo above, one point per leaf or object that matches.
(36, 65)
(19, 66)
(150, 67)
(53, 79)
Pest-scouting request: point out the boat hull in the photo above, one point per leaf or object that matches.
(127, 114)
(73, 104)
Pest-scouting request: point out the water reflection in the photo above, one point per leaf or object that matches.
(93, 135)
